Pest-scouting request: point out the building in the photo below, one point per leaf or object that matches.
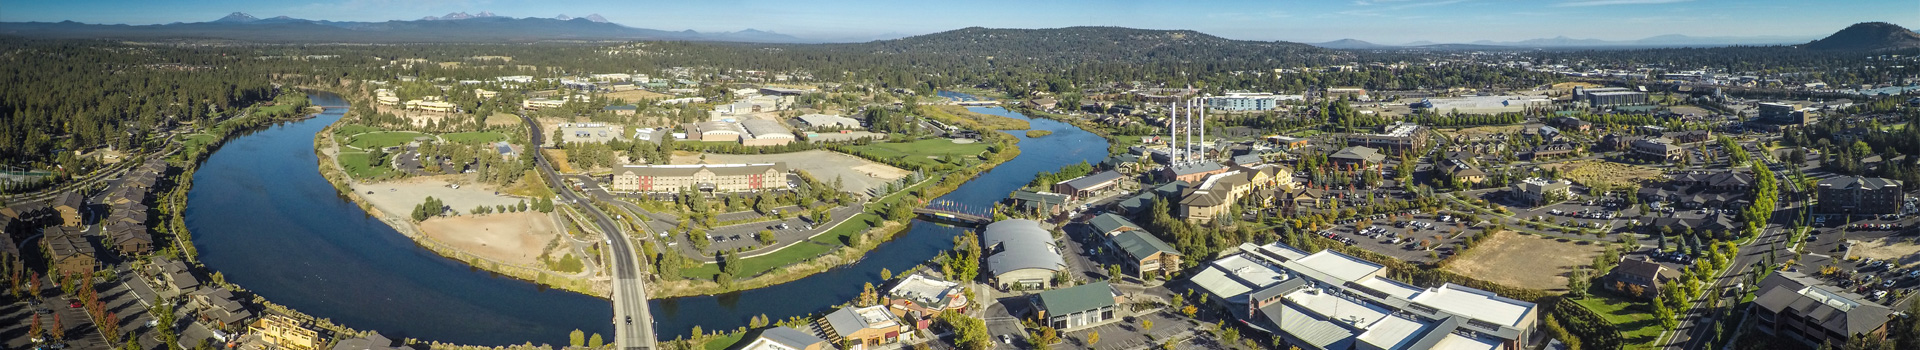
(129, 239)
(1537, 191)
(1191, 172)
(714, 131)
(1089, 185)
(1020, 254)
(1686, 137)
(538, 103)
(1047, 203)
(68, 205)
(762, 132)
(1571, 123)
(219, 308)
(588, 132)
(1109, 224)
(1146, 254)
(173, 275)
(1077, 307)
(783, 338)
(1354, 92)
(701, 177)
(1657, 149)
(1462, 172)
(1401, 136)
(1860, 195)
(926, 297)
(1243, 101)
(816, 121)
(374, 341)
(1357, 157)
(386, 97)
(864, 328)
(68, 252)
(1693, 190)
(1784, 114)
(774, 91)
(286, 333)
(1140, 202)
(1640, 277)
(1792, 305)
(1616, 98)
(1216, 195)
(1328, 301)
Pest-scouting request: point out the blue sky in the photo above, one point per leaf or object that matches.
(1380, 21)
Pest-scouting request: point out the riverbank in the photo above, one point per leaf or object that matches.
(327, 149)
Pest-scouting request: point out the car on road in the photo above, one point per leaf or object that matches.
(74, 304)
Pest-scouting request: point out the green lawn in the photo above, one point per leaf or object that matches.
(276, 109)
(351, 129)
(356, 166)
(724, 341)
(474, 137)
(1637, 327)
(1127, 140)
(919, 151)
(196, 140)
(383, 139)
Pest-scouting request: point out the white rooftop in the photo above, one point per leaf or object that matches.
(1476, 304)
(1340, 266)
(1337, 309)
(1235, 276)
(1454, 341)
(1390, 287)
(1393, 332)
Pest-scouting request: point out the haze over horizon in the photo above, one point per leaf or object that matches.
(1377, 21)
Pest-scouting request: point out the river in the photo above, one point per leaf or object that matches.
(262, 215)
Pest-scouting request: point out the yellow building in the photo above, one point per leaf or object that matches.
(286, 333)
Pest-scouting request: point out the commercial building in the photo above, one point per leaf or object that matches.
(1640, 277)
(1021, 254)
(1047, 203)
(1795, 306)
(1356, 157)
(1658, 148)
(1616, 98)
(1242, 101)
(762, 132)
(714, 131)
(1078, 307)
(926, 296)
(372, 341)
(1146, 254)
(1860, 195)
(1693, 190)
(1537, 191)
(816, 121)
(1482, 104)
(864, 328)
(1089, 185)
(1216, 195)
(701, 177)
(588, 132)
(1785, 114)
(1328, 301)
(783, 338)
(1191, 172)
(1399, 136)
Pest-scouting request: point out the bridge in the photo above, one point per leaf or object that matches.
(331, 107)
(978, 103)
(953, 212)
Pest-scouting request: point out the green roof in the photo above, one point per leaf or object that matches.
(1107, 223)
(1082, 298)
(1140, 244)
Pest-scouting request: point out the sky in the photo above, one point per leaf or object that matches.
(1378, 21)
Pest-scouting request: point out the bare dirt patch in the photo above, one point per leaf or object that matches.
(633, 96)
(1596, 173)
(400, 196)
(856, 174)
(1485, 130)
(1525, 261)
(515, 238)
(1887, 248)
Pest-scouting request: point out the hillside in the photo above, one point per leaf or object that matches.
(1868, 36)
(1351, 44)
(457, 27)
(1081, 44)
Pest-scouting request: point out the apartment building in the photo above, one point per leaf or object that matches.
(701, 177)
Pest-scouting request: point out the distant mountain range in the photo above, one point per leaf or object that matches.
(453, 27)
(1868, 36)
(1104, 44)
(1670, 40)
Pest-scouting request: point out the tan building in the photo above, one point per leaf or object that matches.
(1216, 194)
(714, 131)
(68, 252)
(286, 333)
(69, 205)
(864, 328)
(702, 177)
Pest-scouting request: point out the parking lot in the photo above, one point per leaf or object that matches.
(1404, 236)
(1874, 257)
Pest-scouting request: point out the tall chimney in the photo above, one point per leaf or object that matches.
(1203, 127)
(1173, 132)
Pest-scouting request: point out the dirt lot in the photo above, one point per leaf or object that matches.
(856, 174)
(401, 196)
(1485, 130)
(511, 237)
(1526, 261)
(1596, 173)
(1886, 248)
(633, 96)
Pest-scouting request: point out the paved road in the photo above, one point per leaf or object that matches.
(1696, 325)
(633, 324)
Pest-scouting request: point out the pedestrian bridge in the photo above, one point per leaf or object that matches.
(952, 212)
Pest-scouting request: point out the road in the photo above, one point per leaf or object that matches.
(633, 323)
(1696, 325)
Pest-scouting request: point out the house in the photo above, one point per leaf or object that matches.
(925, 297)
(783, 338)
(706, 178)
(173, 275)
(1792, 305)
(1021, 254)
(1859, 195)
(68, 205)
(374, 341)
(1357, 157)
(129, 239)
(1147, 254)
(864, 328)
(1077, 307)
(1640, 277)
(1089, 185)
(127, 212)
(286, 333)
(220, 308)
(1047, 103)
(1047, 203)
(68, 252)
(1537, 191)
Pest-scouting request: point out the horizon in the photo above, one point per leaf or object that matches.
(1385, 22)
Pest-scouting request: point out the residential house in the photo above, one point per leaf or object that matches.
(286, 333)
(1078, 307)
(173, 275)
(129, 239)
(1792, 305)
(68, 252)
(1640, 277)
(68, 205)
(220, 308)
(1021, 254)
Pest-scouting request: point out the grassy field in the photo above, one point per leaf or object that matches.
(1525, 261)
(1635, 319)
(275, 109)
(382, 139)
(724, 341)
(356, 164)
(196, 140)
(351, 129)
(922, 152)
(474, 137)
(1596, 173)
(976, 120)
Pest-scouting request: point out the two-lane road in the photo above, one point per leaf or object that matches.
(633, 323)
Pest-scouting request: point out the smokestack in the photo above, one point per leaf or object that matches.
(1203, 127)
(1173, 132)
(1188, 147)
